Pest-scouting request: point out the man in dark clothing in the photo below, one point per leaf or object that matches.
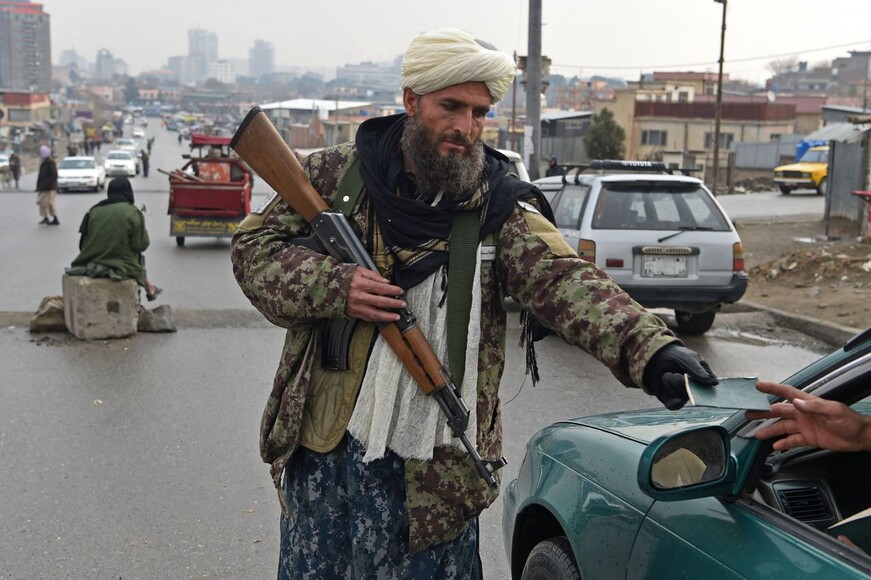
(15, 168)
(46, 187)
(113, 237)
(553, 168)
(144, 155)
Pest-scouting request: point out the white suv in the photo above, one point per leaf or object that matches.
(662, 237)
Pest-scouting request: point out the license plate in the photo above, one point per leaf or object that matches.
(664, 266)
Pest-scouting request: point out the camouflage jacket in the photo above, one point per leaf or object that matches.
(295, 287)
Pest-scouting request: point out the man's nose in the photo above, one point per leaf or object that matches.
(463, 123)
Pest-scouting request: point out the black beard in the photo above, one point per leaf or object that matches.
(450, 176)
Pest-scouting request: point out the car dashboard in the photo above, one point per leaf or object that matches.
(814, 486)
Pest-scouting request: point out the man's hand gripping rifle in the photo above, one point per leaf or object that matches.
(258, 143)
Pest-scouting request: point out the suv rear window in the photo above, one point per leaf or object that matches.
(657, 207)
(568, 210)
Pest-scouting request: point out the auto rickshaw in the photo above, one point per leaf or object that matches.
(211, 193)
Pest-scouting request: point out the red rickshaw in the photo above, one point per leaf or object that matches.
(211, 193)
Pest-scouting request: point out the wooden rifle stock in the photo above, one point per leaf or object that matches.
(259, 144)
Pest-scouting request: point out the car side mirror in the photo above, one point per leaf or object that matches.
(691, 463)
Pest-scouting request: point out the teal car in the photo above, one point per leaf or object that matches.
(691, 493)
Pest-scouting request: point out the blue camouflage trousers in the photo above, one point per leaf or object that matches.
(347, 521)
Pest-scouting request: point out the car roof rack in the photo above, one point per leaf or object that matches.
(634, 166)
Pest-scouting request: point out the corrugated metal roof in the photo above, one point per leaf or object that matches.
(560, 115)
(315, 105)
(839, 132)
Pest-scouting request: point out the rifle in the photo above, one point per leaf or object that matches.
(259, 144)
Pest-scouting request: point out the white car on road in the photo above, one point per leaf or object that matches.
(80, 173)
(121, 162)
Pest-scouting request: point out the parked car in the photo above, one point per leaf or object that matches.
(691, 493)
(810, 172)
(121, 162)
(663, 238)
(4, 161)
(516, 161)
(80, 173)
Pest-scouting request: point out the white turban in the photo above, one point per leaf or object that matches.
(446, 57)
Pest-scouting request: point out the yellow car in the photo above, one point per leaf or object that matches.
(811, 172)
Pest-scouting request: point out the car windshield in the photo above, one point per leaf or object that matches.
(118, 155)
(76, 164)
(657, 207)
(815, 156)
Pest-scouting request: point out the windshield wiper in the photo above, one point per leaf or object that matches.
(685, 229)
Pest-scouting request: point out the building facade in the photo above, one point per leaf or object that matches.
(261, 59)
(25, 47)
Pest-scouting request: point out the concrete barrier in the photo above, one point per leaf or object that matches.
(97, 308)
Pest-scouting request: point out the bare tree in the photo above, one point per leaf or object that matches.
(783, 65)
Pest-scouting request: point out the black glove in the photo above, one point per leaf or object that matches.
(663, 375)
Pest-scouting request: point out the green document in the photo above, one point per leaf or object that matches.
(730, 393)
(857, 528)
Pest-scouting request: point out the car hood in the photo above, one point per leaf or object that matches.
(76, 172)
(806, 167)
(646, 425)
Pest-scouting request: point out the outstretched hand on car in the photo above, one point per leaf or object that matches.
(664, 374)
(809, 420)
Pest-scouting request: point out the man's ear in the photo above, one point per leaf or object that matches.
(411, 101)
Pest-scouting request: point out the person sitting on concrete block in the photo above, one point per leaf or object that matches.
(113, 237)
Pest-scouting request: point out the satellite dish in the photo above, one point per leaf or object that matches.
(770, 96)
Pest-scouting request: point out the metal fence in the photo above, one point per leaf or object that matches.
(845, 176)
(765, 155)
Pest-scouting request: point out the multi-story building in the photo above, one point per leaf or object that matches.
(261, 59)
(104, 66)
(223, 72)
(25, 47)
(202, 51)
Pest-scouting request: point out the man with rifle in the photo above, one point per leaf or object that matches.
(383, 427)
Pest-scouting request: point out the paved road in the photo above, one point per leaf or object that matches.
(137, 458)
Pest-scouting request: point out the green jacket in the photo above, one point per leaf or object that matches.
(112, 244)
(294, 288)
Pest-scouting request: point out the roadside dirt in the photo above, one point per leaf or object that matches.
(795, 267)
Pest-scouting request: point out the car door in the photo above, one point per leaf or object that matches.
(771, 531)
(712, 538)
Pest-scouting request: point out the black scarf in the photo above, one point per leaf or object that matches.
(416, 232)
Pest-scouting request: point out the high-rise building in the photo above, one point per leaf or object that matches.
(25, 47)
(261, 59)
(202, 50)
(105, 65)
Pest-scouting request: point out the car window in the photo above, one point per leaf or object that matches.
(568, 209)
(119, 155)
(76, 164)
(657, 207)
(815, 156)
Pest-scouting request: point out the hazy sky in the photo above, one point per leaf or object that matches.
(582, 37)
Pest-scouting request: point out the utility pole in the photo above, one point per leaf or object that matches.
(514, 109)
(533, 92)
(719, 112)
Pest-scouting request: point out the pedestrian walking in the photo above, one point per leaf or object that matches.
(144, 155)
(46, 187)
(15, 168)
(372, 482)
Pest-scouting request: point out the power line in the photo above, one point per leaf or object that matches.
(709, 63)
